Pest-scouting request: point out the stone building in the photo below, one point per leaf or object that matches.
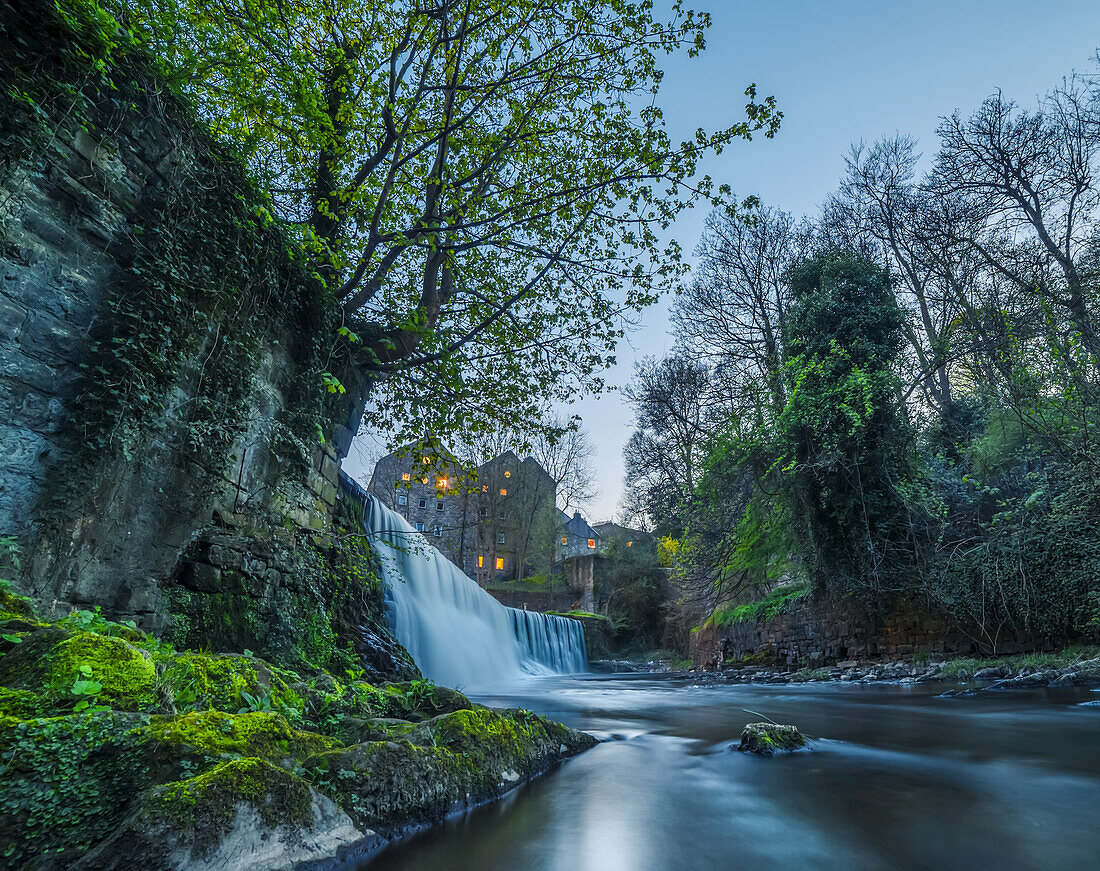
(496, 521)
(428, 485)
(516, 519)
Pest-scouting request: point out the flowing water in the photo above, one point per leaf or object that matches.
(458, 634)
(897, 779)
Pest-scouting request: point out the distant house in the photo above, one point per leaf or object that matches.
(610, 531)
(577, 538)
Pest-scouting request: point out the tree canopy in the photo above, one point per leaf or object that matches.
(486, 186)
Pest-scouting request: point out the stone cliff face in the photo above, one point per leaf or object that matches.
(161, 350)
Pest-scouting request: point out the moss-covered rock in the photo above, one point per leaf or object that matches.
(13, 605)
(767, 739)
(22, 704)
(52, 661)
(444, 763)
(259, 734)
(229, 683)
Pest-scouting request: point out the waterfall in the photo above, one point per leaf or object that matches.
(457, 633)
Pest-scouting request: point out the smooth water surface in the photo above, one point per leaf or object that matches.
(897, 779)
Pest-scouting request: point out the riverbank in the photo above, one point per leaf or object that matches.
(1078, 666)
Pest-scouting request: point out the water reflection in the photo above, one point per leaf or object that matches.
(898, 779)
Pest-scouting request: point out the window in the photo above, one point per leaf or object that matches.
(402, 499)
(420, 527)
(441, 483)
(438, 531)
(630, 544)
(423, 480)
(426, 460)
(500, 516)
(485, 512)
(503, 491)
(500, 563)
(500, 538)
(484, 488)
(564, 540)
(405, 476)
(439, 505)
(591, 542)
(481, 562)
(422, 502)
(507, 474)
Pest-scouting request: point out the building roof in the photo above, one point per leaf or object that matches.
(578, 526)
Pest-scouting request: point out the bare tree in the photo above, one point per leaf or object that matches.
(672, 404)
(1030, 176)
(731, 314)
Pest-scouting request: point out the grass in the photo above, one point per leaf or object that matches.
(1016, 662)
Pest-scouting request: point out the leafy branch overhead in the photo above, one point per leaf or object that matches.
(485, 185)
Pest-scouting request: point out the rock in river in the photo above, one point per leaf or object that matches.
(766, 739)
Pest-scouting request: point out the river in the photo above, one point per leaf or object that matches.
(897, 779)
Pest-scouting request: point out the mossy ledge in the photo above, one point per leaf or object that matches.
(118, 752)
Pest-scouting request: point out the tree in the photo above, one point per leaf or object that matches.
(731, 314)
(481, 182)
(1031, 178)
(664, 455)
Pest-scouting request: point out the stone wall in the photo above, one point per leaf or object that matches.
(562, 599)
(814, 632)
(132, 442)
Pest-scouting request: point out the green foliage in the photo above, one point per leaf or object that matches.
(775, 603)
(65, 782)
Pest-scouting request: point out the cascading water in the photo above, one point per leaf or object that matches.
(458, 634)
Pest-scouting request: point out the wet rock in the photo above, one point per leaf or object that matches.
(767, 739)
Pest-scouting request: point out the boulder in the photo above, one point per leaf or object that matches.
(767, 739)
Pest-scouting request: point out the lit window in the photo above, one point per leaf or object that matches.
(500, 538)
(500, 563)
(438, 531)
(441, 483)
(507, 474)
(564, 540)
(591, 542)
(630, 544)
(402, 499)
(422, 503)
(481, 562)
(425, 460)
(420, 527)
(439, 505)
(405, 476)
(503, 491)
(423, 480)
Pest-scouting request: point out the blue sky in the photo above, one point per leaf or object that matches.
(841, 71)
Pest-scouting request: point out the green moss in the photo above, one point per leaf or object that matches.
(441, 763)
(261, 734)
(50, 662)
(409, 700)
(205, 807)
(229, 683)
(14, 606)
(126, 672)
(22, 704)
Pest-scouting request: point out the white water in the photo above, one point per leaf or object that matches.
(458, 634)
